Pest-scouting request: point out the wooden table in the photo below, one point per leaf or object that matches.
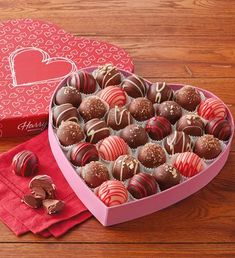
(177, 40)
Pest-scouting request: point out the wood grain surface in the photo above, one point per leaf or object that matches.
(184, 41)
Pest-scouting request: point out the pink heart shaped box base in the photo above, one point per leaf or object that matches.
(35, 56)
(112, 215)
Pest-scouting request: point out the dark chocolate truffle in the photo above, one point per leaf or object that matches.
(94, 174)
(159, 92)
(141, 109)
(68, 94)
(158, 127)
(188, 98)
(82, 153)
(142, 185)
(191, 125)
(82, 81)
(220, 128)
(125, 167)
(92, 107)
(151, 155)
(134, 135)
(134, 86)
(207, 147)
(96, 130)
(107, 75)
(166, 176)
(69, 132)
(64, 112)
(170, 110)
(25, 163)
(118, 118)
(177, 142)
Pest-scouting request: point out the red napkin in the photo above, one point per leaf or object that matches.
(19, 217)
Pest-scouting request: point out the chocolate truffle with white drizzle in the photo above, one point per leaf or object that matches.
(134, 86)
(159, 92)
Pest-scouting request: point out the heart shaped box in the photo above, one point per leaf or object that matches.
(128, 211)
(35, 56)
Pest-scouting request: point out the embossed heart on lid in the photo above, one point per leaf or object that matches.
(135, 208)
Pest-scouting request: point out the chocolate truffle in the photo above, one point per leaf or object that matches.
(112, 147)
(125, 167)
(82, 81)
(94, 174)
(112, 193)
(114, 96)
(82, 153)
(212, 108)
(142, 185)
(107, 75)
(159, 92)
(118, 118)
(68, 94)
(191, 125)
(177, 142)
(188, 98)
(64, 112)
(92, 107)
(96, 130)
(53, 206)
(188, 164)
(158, 127)
(134, 86)
(170, 110)
(31, 201)
(166, 176)
(207, 147)
(25, 163)
(134, 135)
(141, 109)
(220, 128)
(151, 155)
(69, 132)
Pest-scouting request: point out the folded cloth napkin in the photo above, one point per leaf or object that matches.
(19, 217)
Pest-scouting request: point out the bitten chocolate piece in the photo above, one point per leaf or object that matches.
(25, 164)
(31, 201)
(38, 193)
(159, 92)
(53, 206)
(46, 183)
(170, 110)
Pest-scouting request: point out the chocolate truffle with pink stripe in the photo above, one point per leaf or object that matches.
(112, 193)
(25, 164)
(142, 185)
(220, 128)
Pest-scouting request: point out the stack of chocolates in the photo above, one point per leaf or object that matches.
(128, 138)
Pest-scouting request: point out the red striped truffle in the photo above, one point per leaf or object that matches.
(220, 128)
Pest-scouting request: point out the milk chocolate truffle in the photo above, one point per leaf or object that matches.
(191, 125)
(141, 109)
(31, 201)
(68, 94)
(94, 174)
(142, 185)
(25, 163)
(134, 86)
(118, 118)
(53, 206)
(83, 82)
(170, 110)
(220, 128)
(64, 112)
(83, 153)
(125, 167)
(96, 130)
(207, 147)
(166, 176)
(177, 142)
(188, 98)
(151, 155)
(92, 107)
(69, 132)
(159, 92)
(107, 75)
(134, 135)
(158, 127)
